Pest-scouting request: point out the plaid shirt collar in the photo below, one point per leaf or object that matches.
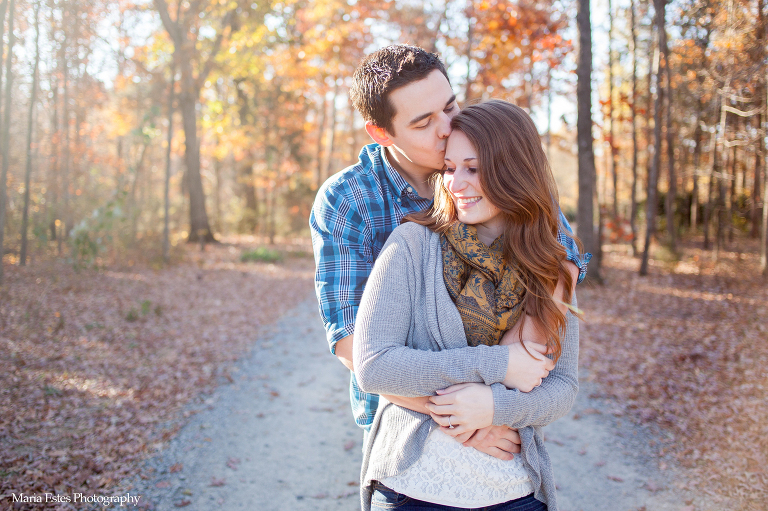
(398, 182)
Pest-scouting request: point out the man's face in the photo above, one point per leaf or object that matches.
(422, 123)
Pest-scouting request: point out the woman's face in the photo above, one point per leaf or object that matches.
(463, 183)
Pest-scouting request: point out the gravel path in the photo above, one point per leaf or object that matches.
(281, 437)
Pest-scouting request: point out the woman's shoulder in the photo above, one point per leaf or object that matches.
(412, 234)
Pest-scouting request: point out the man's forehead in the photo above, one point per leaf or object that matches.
(422, 97)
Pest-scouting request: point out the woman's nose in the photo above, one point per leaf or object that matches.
(454, 182)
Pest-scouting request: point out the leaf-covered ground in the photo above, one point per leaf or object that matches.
(686, 348)
(96, 366)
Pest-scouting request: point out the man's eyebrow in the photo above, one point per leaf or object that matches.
(424, 116)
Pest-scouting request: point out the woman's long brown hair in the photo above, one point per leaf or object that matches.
(517, 179)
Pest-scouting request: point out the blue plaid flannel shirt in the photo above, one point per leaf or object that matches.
(354, 213)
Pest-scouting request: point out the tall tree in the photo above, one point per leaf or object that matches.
(633, 106)
(30, 119)
(612, 133)
(184, 32)
(6, 131)
(587, 173)
(669, 205)
(167, 183)
(653, 174)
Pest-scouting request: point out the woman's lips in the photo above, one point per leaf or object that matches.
(466, 202)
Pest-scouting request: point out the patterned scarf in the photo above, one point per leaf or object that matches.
(487, 295)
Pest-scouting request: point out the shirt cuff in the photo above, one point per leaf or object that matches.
(581, 261)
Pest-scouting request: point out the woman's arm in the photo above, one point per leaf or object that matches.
(383, 363)
(475, 406)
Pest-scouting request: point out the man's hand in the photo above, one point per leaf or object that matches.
(344, 351)
(500, 442)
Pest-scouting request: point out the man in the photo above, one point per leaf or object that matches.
(405, 97)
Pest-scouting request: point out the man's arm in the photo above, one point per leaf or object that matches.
(500, 442)
(344, 354)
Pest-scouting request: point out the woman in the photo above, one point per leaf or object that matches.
(453, 280)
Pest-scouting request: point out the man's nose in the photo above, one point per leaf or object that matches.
(444, 126)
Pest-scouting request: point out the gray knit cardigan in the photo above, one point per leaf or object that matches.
(409, 341)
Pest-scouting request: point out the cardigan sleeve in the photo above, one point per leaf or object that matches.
(384, 364)
(553, 398)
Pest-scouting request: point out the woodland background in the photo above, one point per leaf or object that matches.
(130, 128)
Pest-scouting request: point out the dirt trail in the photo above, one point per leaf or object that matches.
(281, 437)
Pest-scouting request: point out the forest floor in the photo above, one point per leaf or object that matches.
(99, 369)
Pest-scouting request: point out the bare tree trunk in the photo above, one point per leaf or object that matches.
(669, 206)
(198, 216)
(587, 174)
(245, 166)
(633, 199)
(653, 174)
(720, 206)
(352, 136)
(30, 119)
(759, 155)
(184, 55)
(549, 114)
(764, 230)
(760, 95)
(319, 151)
(709, 209)
(468, 54)
(167, 187)
(731, 197)
(3, 10)
(66, 152)
(6, 133)
(332, 135)
(612, 139)
(696, 163)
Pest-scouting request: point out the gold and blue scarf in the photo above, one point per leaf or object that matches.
(484, 289)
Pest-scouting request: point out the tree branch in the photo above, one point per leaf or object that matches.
(171, 26)
(208, 66)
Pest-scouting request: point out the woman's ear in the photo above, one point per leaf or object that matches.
(378, 134)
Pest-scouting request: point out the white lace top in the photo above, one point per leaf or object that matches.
(450, 474)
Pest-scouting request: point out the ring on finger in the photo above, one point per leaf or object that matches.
(450, 426)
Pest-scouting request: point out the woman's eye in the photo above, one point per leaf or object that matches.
(472, 169)
(448, 170)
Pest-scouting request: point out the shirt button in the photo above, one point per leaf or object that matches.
(410, 189)
(398, 200)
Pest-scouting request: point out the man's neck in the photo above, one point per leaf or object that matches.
(418, 181)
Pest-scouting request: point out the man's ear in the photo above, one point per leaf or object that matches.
(378, 134)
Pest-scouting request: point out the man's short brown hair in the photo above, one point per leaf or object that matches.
(385, 70)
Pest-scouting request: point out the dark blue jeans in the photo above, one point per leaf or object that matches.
(385, 498)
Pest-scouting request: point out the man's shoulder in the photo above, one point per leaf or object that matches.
(363, 176)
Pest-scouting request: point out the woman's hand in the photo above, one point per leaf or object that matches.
(468, 406)
(526, 370)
